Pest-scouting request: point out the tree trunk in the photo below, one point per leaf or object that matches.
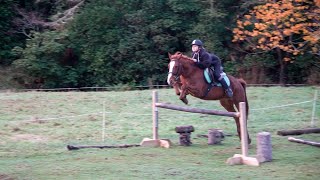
(282, 67)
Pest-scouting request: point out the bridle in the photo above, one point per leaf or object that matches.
(177, 73)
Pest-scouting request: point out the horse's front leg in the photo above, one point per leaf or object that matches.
(183, 94)
(177, 88)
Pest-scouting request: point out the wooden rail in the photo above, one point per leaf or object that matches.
(197, 110)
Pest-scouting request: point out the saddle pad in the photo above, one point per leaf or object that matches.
(207, 76)
(209, 79)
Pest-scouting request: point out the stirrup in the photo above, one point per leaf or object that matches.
(229, 92)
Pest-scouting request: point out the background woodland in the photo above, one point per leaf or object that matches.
(85, 43)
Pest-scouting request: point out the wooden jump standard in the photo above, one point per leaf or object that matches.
(236, 159)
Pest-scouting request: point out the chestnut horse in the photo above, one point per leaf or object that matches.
(187, 78)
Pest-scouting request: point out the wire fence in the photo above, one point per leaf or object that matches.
(150, 114)
(129, 87)
(99, 115)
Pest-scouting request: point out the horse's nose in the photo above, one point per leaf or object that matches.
(168, 79)
(169, 82)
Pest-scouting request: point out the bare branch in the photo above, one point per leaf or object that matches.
(32, 21)
(27, 22)
(62, 18)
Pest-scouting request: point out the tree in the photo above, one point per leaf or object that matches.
(127, 41)
(7, 39)
(44, 58)
(288, 28)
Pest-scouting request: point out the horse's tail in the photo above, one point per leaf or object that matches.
(244, 85)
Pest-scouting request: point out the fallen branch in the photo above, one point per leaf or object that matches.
(311, 143)
(70, 147)
(298, 131)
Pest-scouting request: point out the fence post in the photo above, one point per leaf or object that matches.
(314, 108)
(103, 120)
(155, 115)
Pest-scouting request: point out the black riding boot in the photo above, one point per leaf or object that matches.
(227, 89)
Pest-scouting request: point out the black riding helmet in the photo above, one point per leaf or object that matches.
(197, 42)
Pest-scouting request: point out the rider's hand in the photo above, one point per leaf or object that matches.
(194, 60)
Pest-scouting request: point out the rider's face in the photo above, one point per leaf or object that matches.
(195, 48)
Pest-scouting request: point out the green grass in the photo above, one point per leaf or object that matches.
(32, 147)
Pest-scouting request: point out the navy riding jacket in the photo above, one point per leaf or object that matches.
(206, 60)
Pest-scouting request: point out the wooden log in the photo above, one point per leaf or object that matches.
(185, 139)
(184, 129)
(215, 136)
(311, 143)
(185, 134)
(264, 147)
(70, 147)
(298, 131)
(197, 110)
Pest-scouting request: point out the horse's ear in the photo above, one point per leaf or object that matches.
(169, 55)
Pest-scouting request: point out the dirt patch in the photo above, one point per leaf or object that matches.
(30, 138)
(6, 177)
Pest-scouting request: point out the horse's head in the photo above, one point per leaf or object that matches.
(176, 66)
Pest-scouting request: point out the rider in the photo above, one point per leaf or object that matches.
(204, 60)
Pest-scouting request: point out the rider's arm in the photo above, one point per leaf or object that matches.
(205, 61)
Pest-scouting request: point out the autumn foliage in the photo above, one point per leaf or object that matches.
(290, 25)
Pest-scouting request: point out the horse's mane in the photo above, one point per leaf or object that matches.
(184, 57)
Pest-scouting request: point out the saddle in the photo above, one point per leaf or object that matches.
(209, 77)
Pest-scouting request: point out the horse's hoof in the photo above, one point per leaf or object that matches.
(185, 101)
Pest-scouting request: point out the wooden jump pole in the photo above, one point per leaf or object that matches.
(197, 110)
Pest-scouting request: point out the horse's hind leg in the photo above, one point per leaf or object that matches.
(229, 106)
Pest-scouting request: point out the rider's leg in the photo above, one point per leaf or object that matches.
(226, 87)
(217, 74)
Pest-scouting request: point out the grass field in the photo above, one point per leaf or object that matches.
(36, 127)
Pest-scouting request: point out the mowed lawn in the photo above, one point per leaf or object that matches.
(36, 127)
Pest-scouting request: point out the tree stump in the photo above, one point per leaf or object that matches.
(264, 147)
(215, 136)
(185, 135)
